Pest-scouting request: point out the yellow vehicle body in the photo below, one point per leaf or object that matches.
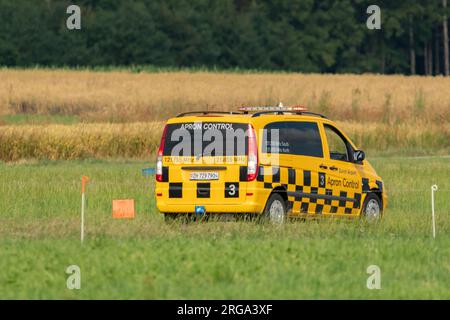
(312, 185)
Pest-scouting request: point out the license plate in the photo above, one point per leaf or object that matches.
(204, 175)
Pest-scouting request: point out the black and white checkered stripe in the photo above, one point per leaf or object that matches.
(307, 191)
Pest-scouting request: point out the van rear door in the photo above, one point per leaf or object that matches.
(206, 162)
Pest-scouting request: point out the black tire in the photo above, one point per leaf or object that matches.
(369, 209)
(277, 204)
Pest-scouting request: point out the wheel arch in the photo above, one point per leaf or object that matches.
(275, 194)
(376, 186)
(282, 191)
(378, 193)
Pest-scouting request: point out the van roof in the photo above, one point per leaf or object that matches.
(193, 116)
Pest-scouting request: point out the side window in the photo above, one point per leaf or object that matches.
(274, 138)
(337, 145)
(297, 138)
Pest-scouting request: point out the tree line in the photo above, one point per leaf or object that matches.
(292, 35)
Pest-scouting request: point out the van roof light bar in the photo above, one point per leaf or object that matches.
(280, 107)
(301, 113)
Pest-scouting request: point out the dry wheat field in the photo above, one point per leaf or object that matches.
(69, 114)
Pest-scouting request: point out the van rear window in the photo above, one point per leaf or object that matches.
(206, 139)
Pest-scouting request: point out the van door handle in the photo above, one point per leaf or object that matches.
(333, 168)
(322, 166)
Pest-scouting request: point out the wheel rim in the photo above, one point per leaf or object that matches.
(373, 210)
(276, 212)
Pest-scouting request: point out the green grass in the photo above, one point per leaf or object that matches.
(18, 119)
(145, 258)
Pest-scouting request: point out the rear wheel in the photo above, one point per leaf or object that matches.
(372, 208)
(275, 211)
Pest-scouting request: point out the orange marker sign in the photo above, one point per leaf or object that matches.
(123, 209)
(84, 181)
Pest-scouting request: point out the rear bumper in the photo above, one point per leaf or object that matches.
(246, 207)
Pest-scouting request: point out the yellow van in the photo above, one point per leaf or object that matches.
(275, 162)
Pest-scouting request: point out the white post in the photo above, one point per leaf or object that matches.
(434, 188)
(82, 217)
(84, 181)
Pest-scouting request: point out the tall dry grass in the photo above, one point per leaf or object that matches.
(79, 141)
(141, 140)
(382, 114)
(121, 96)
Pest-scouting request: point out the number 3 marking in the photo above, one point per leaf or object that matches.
(232, 189)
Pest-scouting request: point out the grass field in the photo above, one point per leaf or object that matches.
(145, 258)
(50, 119)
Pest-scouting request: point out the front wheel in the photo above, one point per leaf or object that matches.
(372, 208)
(275, 210)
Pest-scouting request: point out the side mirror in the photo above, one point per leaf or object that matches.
(359, 155)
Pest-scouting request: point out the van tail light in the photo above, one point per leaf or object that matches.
(159, 164)
(252, 156)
